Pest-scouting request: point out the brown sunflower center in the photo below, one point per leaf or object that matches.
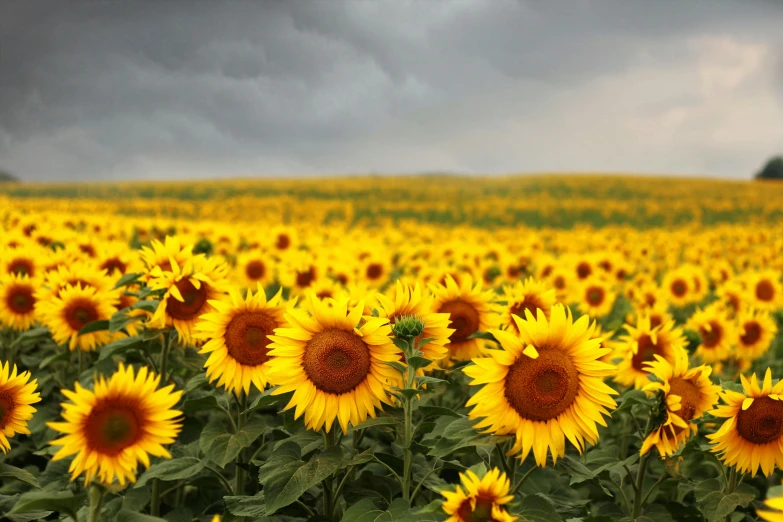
(583, 270)
(679, 288)
(113, 426)
(546, 271)
(711, 338)
(193, 300)
(595, 295)
(518, 309)
(752, 333)
(559, 282)
(80, 312)
(762, 422)
(114, 265)
(255, 270)
(283, 241)
(464, 319)
(336, 361)
(21, 267)
(306, 278)
(20, 300)
(481, 513)
(645, 352)
(656, 320)
(765, 291)
(246, 337)
(6, 408)
(374, 271)
(689, 394)
(543, 388)
(87, 249)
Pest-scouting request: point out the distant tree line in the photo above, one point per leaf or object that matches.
(5, 176)
(772, 170)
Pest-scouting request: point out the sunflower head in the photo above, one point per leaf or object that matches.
(687, 394)
(479, 499)
(17, 302)
(717, 332)
(752, 435)
(75, 308)
(237, 336)
(333, 359)
(528, 295)
(756, 329)
(544, 384)
(17, 393)
(640, 346)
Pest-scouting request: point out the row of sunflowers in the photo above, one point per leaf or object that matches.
(176, 370)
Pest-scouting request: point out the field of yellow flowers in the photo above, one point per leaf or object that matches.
(580, 349)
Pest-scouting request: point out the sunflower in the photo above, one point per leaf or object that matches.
(678, 286)
(470, 311)
(482, 499)
(413, 301)
(119, 424)
(299, 271)
(237, 338)
(374, 270)
(716, 331)
(83, 273)
(75, 308)
(22, 260)
(188, 292)
(563, 282)
(544, 384)
(732, 295)
(596, 297)
(756, 329)
(117, 259)
(334, 367)
(255, 267)
(160, 255)
(688, 393)
(16, 396)
(529, 295)
(17, 302)
(752, 435)
(775, 504)
(640, 346)
(764, 290)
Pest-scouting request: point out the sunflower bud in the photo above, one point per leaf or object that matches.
(408, 327)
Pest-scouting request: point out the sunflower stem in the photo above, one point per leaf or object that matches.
(638, 502)
(731, 486)
(522, 480)
(329, 441)
(96, 502)
(241, 399)
(155, 498)
(165, 341)
(410, 350)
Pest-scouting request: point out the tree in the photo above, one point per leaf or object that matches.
(772, 170)
(5, 176)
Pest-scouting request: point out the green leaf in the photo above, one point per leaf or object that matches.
(147, 306)
(426, 379)
(482, 335)
(127, 279)
(132, 516)
(174, 469)
(364, 511)
(372, 422)
(60, 501)
(537, 508)
(205, 403)
(195, 382)
(120, 346)
(285, 490)
(246, 506)
(265, 400)
(8, 471)
(95, 326)
(120, 320)
(716, 505)
(30, 335)
(397, 366)
(418, 362)
(222, 447)
(438, 411)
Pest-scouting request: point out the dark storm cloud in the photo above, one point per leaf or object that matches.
(99, 90)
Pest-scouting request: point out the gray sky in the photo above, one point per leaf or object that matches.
(176, 89)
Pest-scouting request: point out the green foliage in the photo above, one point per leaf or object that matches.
(773, 169)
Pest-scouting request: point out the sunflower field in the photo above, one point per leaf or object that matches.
(581, 349)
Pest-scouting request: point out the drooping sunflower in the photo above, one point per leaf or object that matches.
(752, 435)
(188, 292)
(118, 424)
(237, 339)
(470, 311)
(688, 393)
(16, 396)
(544, 384)
(334, 367)
(482, 500)
(640, 346)
(773, 509)
(407, 300)
(75, 308)
(528, 295)
(596, 297)
(755, 331)
(17, 302)
(717, 333)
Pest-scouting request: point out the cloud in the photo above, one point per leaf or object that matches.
(111, 90)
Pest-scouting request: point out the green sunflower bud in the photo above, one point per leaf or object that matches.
(408, 327)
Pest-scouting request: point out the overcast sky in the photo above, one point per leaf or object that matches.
(198, 89)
